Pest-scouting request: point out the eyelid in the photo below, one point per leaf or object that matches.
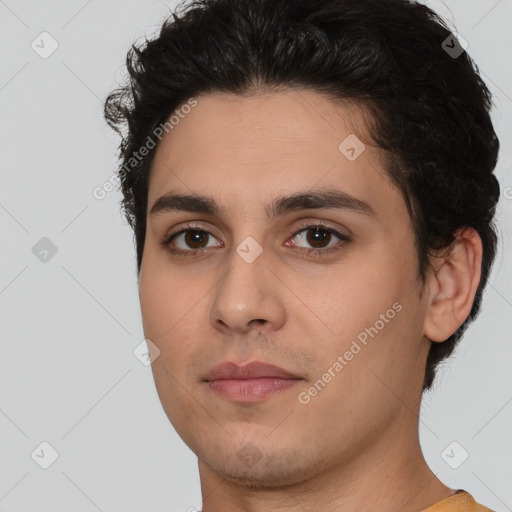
(187, 226)
(292, 232)
(321, 224)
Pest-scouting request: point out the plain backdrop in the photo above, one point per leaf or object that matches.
(70, 318)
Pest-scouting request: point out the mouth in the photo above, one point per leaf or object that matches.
(252, 382)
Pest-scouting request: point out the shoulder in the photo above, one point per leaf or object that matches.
(461, 501)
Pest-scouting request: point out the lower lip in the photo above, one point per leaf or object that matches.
(251, 390)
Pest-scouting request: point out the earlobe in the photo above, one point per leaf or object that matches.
(453, 282)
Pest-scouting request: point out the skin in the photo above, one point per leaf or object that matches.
(355, 445)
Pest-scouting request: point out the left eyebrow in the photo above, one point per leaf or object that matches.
(307, 200)
(319, 199)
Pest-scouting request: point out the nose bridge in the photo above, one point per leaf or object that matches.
(247, 291)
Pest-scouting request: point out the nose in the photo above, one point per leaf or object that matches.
(249, 296)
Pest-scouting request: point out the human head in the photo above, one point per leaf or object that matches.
(427, 110)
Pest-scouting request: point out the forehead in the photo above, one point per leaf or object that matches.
(245, 150)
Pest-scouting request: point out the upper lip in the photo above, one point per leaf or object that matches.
(253, 370)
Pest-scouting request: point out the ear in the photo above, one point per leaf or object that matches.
(452, 285)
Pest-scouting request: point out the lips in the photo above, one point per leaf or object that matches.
(252, 382)
(254, 370)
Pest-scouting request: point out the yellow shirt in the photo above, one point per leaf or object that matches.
(461, 501)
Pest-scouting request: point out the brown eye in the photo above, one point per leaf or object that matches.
(195, 239)
(318, 237)
(189, 241)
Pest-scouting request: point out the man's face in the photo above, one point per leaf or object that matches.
(346, 322)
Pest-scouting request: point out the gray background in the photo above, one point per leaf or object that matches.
(69, 325)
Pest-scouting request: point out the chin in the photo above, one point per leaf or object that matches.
(272, 471)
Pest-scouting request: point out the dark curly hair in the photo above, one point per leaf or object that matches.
(428, 106)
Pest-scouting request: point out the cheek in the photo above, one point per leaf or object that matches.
(170, 311)
(377, 317)
(367, 288)
(165, 298)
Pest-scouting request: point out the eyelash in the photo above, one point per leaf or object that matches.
(309, 252)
